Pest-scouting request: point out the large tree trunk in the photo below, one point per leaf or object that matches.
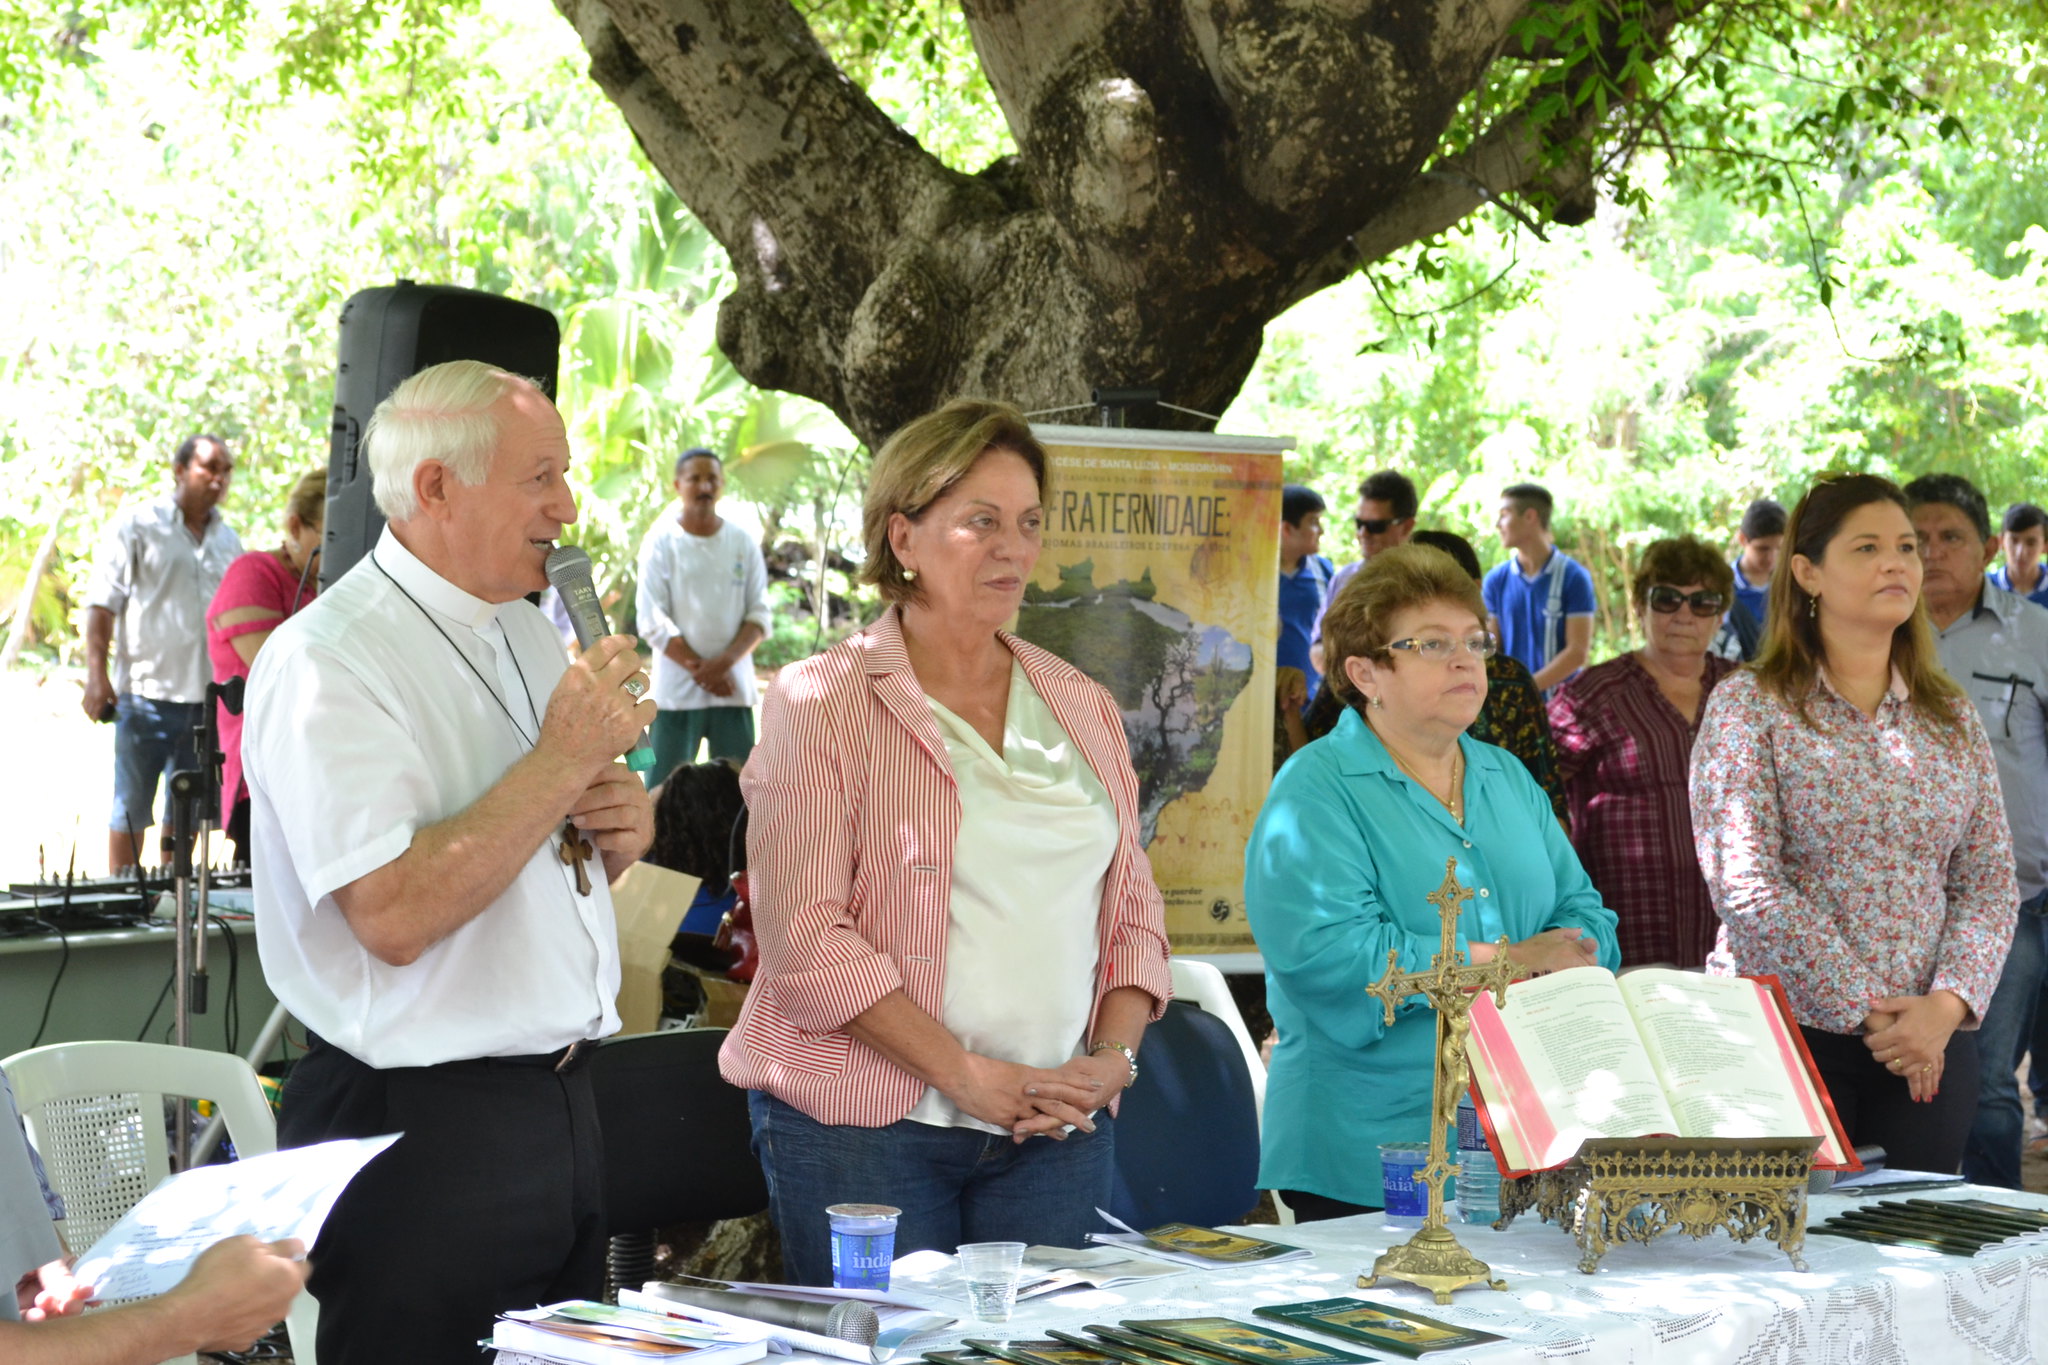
(1187, 169)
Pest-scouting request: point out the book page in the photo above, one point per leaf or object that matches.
(1562, 1063)
(1728, 1066)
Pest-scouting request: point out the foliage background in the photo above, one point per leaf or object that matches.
(192, 202)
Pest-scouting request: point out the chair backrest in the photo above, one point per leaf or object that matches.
(1187, 1134)
(1202, 984)
(95, 1112)
(677, 1141)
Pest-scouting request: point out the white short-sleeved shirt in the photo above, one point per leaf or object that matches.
(703, 588)
(362, 727)
(157, 580)
(1037, 832)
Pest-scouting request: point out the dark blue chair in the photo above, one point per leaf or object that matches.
(1187, 1134)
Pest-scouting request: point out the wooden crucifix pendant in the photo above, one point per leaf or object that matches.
(576, 850)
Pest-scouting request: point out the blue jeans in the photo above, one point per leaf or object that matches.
(954, 1185)
(152, 739)
(1993, 1154)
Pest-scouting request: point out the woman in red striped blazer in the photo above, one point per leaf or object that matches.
(961, 940)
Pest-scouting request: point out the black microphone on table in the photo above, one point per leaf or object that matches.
(847, 1320)
(568, 569)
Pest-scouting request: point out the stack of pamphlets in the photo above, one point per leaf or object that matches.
(900, 1319)
(581, 1332)
(1227, 1341)
(1186, 1244)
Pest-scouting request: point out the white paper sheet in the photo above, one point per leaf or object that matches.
(281, 1194)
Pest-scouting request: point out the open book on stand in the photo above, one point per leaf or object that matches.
(1584, 1054)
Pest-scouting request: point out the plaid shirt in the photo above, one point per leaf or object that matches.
(1625, 753)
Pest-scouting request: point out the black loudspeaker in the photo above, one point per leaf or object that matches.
(389, 334)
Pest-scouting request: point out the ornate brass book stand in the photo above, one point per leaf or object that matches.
(1433, 1258)
(1636, 1189)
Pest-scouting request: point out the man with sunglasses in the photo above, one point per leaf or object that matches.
(1995, 644)
(1385, 518)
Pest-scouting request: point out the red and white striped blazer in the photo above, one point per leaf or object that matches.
(852, 816)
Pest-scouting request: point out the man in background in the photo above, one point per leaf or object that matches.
(1385, 518)
(155, 570)
(1540, 598)
(2025, 535)
(703, 608)
(1759, 539)
(1995, 644)
(1304, 581)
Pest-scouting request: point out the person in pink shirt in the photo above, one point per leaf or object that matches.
(259, 590)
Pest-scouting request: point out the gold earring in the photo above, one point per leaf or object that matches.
(1377, 704)
(1813, 606)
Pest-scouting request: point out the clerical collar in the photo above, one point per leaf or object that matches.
(428, 588)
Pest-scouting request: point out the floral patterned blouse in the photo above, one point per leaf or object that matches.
(1856, 857)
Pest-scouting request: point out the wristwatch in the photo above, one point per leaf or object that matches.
(1130, 1059)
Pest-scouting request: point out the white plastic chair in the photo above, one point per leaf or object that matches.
(1202, 984)
(95, 1113)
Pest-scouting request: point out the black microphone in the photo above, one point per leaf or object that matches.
(847, 1320)
(568, 569)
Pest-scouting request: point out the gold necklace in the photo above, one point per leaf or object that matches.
(1455, 802)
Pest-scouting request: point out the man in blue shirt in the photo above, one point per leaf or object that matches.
(1304, 578)
(1761, 536)
(1540, 599)
(1996, 645)
(2026, 535)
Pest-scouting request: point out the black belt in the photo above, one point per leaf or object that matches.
(565, 1059)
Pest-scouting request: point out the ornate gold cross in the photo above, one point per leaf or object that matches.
(577, 850)
(1433, 1258)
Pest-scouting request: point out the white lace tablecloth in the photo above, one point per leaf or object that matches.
(1674, 1302)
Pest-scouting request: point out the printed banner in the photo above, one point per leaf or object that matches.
(1160, 581)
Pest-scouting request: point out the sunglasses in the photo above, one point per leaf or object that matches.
(1374, 526)
(1665, 600)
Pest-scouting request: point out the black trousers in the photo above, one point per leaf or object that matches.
(1876, 1107)
(493, 1199)
(1315, 1208)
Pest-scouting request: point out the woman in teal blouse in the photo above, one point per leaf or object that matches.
(1352, 840)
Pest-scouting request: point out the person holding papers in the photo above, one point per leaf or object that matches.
(1354, 837)
(961, 941)
(235, 1292)
(1849, 823)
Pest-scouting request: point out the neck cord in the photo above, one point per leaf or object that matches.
(1454, 803)
(509, 653)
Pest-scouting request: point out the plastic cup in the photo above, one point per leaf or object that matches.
(863, 1244)
(1402, 1191)
(991, 1269)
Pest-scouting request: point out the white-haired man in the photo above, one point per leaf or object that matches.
(427, 782)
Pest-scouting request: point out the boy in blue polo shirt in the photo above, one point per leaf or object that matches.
(1304, 578)
(1540, 598)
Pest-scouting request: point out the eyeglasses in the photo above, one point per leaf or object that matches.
(1665, 600)
(1439, 649)
(1374, 526)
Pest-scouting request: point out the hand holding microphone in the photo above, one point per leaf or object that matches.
(568, 569)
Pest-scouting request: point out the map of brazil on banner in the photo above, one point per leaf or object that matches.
(1159, 579)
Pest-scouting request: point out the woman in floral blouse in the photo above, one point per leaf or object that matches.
(1848, 820)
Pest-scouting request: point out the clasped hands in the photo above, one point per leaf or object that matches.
(1909, 1034)
(713, 674)
(1553, 950)
(1031, 1102)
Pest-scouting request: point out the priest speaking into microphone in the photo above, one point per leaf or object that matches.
(436, 810)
